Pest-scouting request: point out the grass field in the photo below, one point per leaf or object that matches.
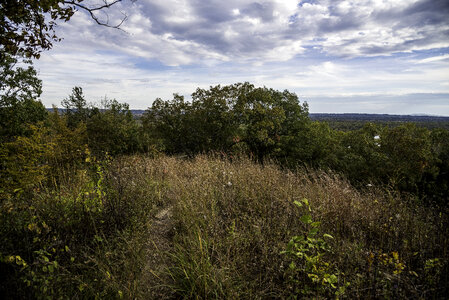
(208, 227)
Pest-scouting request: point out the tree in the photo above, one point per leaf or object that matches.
(112, 129)
(28, 27)
(272, 123)
(167, 125)
(215, 121)
(23, 161)
(19, 91)
(296, 135)
(262, 120)
(76, 108)
(408, 149)
(218, 119)
(436, 179)
(360, 156)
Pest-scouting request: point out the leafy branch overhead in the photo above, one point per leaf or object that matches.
(28, 27)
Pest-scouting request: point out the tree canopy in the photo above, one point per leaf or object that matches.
(225, 117)
(28, 27)
(19, 89)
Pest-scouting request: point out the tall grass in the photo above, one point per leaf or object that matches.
(223, 234)
(233, 219)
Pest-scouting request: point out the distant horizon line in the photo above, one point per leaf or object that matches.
(328, 113)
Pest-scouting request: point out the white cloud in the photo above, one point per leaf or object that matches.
(433, 59)
(179, 32)
(321, 47)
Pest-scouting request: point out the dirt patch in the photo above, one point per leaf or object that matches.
(160, 243)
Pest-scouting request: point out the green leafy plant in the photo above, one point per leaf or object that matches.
(309, 271)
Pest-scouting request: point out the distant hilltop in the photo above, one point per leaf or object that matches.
(347, 117)
(376, 117)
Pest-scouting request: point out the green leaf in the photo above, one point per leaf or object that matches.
(297, 238)
(307, 219)
(315, 224)
(313, 231)
(328, 236)
(299, 204)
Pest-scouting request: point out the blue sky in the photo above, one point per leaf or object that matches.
(366, 56)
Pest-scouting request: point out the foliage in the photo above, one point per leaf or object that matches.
(309, 272)
(181, 127)
(435, 184)
(360, 156)
(79, 220)
(19, 89)
(268, 124)
(23, 25)
(221, 118)
(261, 118)
(23, 162)
(112, 129)
(408, 152)
(75, 108)
(77, 241)
(350, 122)
(89, 236)
(70, 145)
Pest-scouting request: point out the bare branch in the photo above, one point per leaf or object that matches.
(92, 10)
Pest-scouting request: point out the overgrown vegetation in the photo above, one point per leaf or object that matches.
(258, 201)
(264, 202)
(235, 223)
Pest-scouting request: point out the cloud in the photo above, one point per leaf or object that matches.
(316, 48)
(433, 59)
(371, 28)
(181, 32)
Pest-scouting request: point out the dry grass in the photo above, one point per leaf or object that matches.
(211, 228)
(231, 220)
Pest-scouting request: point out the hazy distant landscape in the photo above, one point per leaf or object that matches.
(356, 120)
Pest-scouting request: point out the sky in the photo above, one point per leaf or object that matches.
(363, 56)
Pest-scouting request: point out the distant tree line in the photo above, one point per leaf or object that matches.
(345, 123)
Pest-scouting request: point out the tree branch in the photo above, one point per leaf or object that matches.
(92, 10)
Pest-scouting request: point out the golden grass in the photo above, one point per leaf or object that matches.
(232, 220)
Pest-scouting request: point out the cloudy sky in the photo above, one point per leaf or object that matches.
(365, 56)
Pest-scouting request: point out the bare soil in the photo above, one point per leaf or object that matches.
(156, 279)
